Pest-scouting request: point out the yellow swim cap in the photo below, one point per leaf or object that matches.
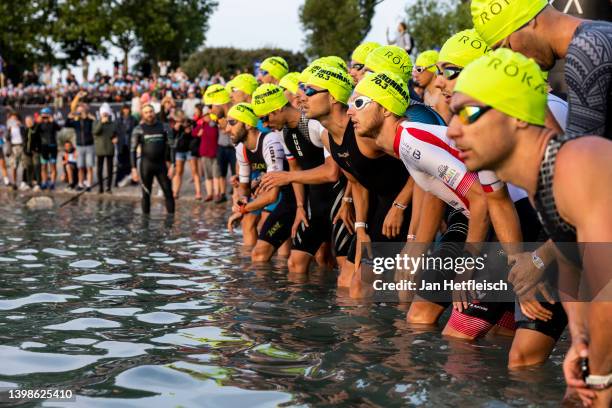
(337, 82)
(386, 88)
(311, 69)
(216, 95)
(463, 48)
(334, 61)
(268, 98)
(390, 58)
(290, 82)
(427, 58)
(361, 52)
(509, 82)
(496, 19)
(244, 113)
(247, 83)
(276, 66)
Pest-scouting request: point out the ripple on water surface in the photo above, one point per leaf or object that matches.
(84, 324)
(86, 264)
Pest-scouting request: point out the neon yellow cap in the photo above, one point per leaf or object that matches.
(390, 58)
(276, 66)
(509, 82)
(463, 48)
(334, 61)
(311, 69)
(361, 52)
(337, 82)
(427, 58)
(247, 83)
(244, 113)
(216, 95)
(386, 88)
(268, 98)
(290, 82)
(496, 20)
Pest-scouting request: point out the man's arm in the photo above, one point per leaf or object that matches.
(136, 135)
(479, 219)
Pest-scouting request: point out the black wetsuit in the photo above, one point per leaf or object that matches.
(156, 140)
(383, 177)
(319, 197)
(277, 226)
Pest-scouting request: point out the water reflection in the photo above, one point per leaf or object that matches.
(165, 311)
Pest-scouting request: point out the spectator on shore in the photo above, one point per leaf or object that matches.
(69, 161)
(3, 147)
(209, 136)
(82, 121)
(190, 103)
(105, 137)
(16, 135)
(31, 155)
(183, 136)
(46, 131)
(402, 39)
(126, 123)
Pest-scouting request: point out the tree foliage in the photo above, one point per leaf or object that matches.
(227, 60)
(336, 28)
(432, 22)
(64, 31)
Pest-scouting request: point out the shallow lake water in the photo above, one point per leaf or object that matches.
(164, 312)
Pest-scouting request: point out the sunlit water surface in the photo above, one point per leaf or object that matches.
(159, 312)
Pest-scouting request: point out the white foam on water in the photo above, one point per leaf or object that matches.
(11, 304)
(84, 323)
(112, 261)
(3, 259)
(31, 344)
(58, 234)
(27, 257)
(15, 239)
(160, 318)
(58, 252)
(33, 265)
(29, 279)
(71, 287)
(177, 241)
(158, 255)
(81, 341)
(86, 264)
(102, 277)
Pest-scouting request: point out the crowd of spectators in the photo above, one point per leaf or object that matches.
(40, 89)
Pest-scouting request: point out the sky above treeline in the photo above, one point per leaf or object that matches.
(251, 24)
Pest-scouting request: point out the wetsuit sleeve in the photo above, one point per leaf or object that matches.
(273, 153)
(136, 138)
(244, 170)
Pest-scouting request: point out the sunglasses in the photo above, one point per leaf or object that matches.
(470, 114)
(361, 102)
(358, 66)
(263, 72)
(420, 70)
(449, 73)
(311, 91)
(265, 119)
(232, 122)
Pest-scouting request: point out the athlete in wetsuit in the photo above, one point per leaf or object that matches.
(257, 154)
(312, 228)
(377, 103)
(569, 183)
(156, 139)
(539, 325)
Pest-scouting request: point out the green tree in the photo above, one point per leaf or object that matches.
(171, 29)
(336, 28)
(228, 60)
(432, 22)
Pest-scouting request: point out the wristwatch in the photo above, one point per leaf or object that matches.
(537, 261)
(360, 224)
